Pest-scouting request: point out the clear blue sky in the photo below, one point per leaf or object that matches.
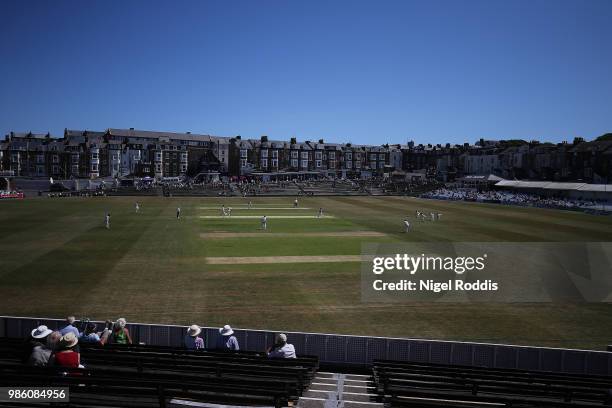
(358, 71)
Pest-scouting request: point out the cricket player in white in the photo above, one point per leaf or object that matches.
(250, 204)
(295, 203)
(137, 207)
(407, 225)
(178, 213)
(433, 216)
(264, 223)
(107, 220)
(320, 212)
(438, 215)
(229, 211)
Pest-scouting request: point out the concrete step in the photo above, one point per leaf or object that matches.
(324, 380)
(358, 377)
(325, 374)
(321, 394)
(354, 404)
(307, 402)
(331, 390)
(358, 397)
(359, 383)
(360, 389)
(316, 386)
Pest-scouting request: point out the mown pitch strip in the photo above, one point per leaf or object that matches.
(256, 208)
(259, 216)
(263, 234)
(230, 260)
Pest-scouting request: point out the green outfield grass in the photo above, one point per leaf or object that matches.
(56, 258)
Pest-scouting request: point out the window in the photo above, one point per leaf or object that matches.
(294, 154)
(243, 153)
(274, 162)
(349, 164)
(184, 157)
(372, 164)
(158, 168)
(274, 154)
(332, 164)
(372, 156)
(332, 155)
(318, 163)
(264, 164)
(381, 165)
(75, 158)
(94, 156)
(183, 168)
(55, 158)
(349, 156)
(264, 153)
(158, 156)
(304, 163)
(243, 162)
(318, 156)
(357, 164)
(381, 156)
(40, 158)
(94, 168)
(304, 155)
(294, 163)
(55, 169)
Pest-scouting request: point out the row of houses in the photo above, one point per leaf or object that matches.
(580, 160)
(128, 152)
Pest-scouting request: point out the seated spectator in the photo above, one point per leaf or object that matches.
(69, 328)
(227, 341)
(38, 337)
(281, 349)
(42, 353)
(66, 355)
(118, 335)
(90, 335)
(192, 339)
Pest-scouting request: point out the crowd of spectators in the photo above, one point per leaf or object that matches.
(10, 194)
(45, 347)
(508, 197)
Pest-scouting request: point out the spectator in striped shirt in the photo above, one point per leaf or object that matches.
(227, 341)
(192, 340)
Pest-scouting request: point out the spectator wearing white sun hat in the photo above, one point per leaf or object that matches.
(227, 341)
(192, 340)
(37, 338)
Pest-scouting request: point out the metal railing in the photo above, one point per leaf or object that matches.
(362, 350)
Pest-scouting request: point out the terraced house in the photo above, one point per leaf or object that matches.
(589, 162)
(116, 153)
(272, 159)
